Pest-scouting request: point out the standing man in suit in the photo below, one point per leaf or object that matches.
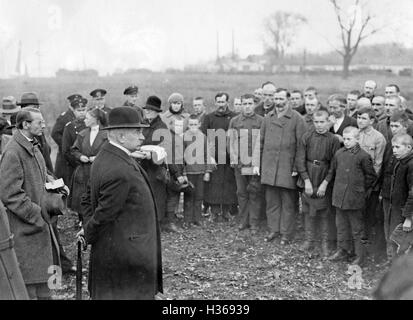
(121, 221)
(337, 105)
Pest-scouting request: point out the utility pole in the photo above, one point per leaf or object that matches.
(218, 56)
(19, 58)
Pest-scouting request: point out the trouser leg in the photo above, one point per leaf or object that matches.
(379, 238)
(273, 211)
(357, 226)
(288, 212)
(254, 208)
(343, 230)
(172, 203)
(66, 263)
(242, 195)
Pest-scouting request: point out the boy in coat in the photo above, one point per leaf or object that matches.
(354, 178)
(401, 192)
(316, 151)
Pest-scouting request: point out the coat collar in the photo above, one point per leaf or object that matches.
(407, 158)
(119, 153)
(26, 144)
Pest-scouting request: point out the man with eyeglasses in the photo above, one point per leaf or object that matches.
(23, 175)
(30, 99)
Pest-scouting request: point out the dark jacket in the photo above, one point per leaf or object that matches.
(70, 133)
(279, 146)
(222, 187)
(22, 190)
(347, 122)
(57, 135)
(46, 150)
(401, 192)
(121, 225)
(354, 178)
(81, 174)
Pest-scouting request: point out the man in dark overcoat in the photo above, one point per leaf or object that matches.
(57, 135)
(220, 192)
(281, 132)
(121, 217)
(23, 175)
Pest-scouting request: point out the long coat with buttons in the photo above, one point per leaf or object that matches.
(222, 187)
(354, 176)
(121, 225)
(279, 146)
(22, 188)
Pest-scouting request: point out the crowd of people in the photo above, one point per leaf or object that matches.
(275, 158)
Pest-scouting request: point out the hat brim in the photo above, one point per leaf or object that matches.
(8, 111)
(149, 107)
(127, 126)
(22, 104)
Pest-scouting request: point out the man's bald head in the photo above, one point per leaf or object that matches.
(363, 103)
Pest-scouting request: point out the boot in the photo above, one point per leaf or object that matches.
(339, 255)
(360, 253)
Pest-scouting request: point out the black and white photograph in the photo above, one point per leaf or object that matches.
(222, 152)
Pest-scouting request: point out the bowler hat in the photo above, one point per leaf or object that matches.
(125, 118)
(9, 106)
(131, 90)
(28, 99)
(98, 93)
(153, 103)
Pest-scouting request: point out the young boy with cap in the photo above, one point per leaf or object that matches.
(354, 178)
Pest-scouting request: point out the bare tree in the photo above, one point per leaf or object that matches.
(355, 27)
(281, 28)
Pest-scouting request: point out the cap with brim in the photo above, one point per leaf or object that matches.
(29, 99)
(9, 106)
(125, 118)
(98, 93)
(131, 90)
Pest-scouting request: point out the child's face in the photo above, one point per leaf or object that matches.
(400, 150)
(397, 128)
(193, 125)
(321, 123)
(364, 121)
(349, 140)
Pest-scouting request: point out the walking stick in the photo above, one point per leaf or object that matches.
(79, 271)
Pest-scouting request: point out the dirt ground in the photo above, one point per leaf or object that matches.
(216, 261)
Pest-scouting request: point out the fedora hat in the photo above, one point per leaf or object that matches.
(28, 99)
(125, 118)
(9, 106)
(153, 103)
(98, 93)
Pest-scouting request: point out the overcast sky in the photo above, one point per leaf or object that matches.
(118, 34)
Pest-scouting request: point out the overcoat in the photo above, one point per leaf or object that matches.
(61, 166)
(222, 187)
(401, 192)
(159, 188)
(279, 146)
(22, 188)
(122, 227)
(70, 133)
(354, 177)
(81, 175)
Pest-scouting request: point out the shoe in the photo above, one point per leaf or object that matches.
(254, 231)
(271, 236)
(307, 246)
(284, 241)
(358, 261)
(242, 227)
(340, 254)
